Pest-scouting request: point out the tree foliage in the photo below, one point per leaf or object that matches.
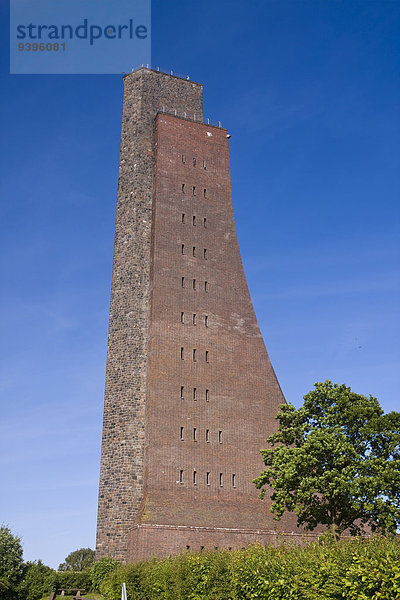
(37, 581)
(101, 568)
(335, 462)
(79, 560)
(11, 562)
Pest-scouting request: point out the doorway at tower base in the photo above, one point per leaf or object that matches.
(151, 540)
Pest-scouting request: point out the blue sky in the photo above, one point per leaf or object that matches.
(310, 92)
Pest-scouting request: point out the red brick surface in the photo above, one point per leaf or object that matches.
(190, 392)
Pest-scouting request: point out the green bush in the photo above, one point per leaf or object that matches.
(100, 569)
(351, 569)
(37, 581)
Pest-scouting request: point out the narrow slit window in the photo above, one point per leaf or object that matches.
(220, 437)
(205, 222)
(207, 435)
(194, 284)
(181, 476)
(194, 220)
(194, 434)
(205, 192)
(194, 355)
(208, 478)
(181, 353)
(194, 162)
(194, 250)
(183, 248)
(183, 159)
(183, 217)
(195, 477)
(206, 320)
(181, 434)
(183, 282)
(183, 188)
(194, 190)
(204, 165)
(194, 393)
(194, 318)
(221, 479)
(206, 286)
(205, 253)
(206, 356)
(182, 389)
(182, 317)
(233, 480)
(207, 395)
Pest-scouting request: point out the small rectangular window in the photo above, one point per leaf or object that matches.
(183, 248)
(194, 190)
(208, 478)
(220, 437)
(194, 477)
(233, 480)
(194, 355)
(205, 222)
(182, 317)
(194, 318)
(195, 434)
(207, 356)
(183, 188)
(183, 282)
(182, 388)
(183, 159)
(205, 253)
(194, 250)
(187, 547)
(194, 162)
(181, 353)
(204, 165)
(181, 476)
(181, 433)
(183, 217)
(221, 479)
(206, 286)
(194, 220)
(194, 393)
(194, 284)
(206, 320)
(205, 193)
(207, 395)
(207, 435)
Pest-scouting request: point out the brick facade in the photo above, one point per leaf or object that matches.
(190, 392)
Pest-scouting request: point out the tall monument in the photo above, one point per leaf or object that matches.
(190, 391)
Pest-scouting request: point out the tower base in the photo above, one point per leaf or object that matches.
(151, 540)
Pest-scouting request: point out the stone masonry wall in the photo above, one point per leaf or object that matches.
(122, 455)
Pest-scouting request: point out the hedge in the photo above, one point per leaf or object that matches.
(352, 569)
(72, 580)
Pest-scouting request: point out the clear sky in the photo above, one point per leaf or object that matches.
(309, 91)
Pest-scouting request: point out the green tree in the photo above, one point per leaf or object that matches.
(335, 462)
(11, 563)
(79, 560)
(37, 581)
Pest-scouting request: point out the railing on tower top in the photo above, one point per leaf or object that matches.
(190, 117)
(174, 112)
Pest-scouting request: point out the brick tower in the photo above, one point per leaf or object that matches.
(190, 392)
